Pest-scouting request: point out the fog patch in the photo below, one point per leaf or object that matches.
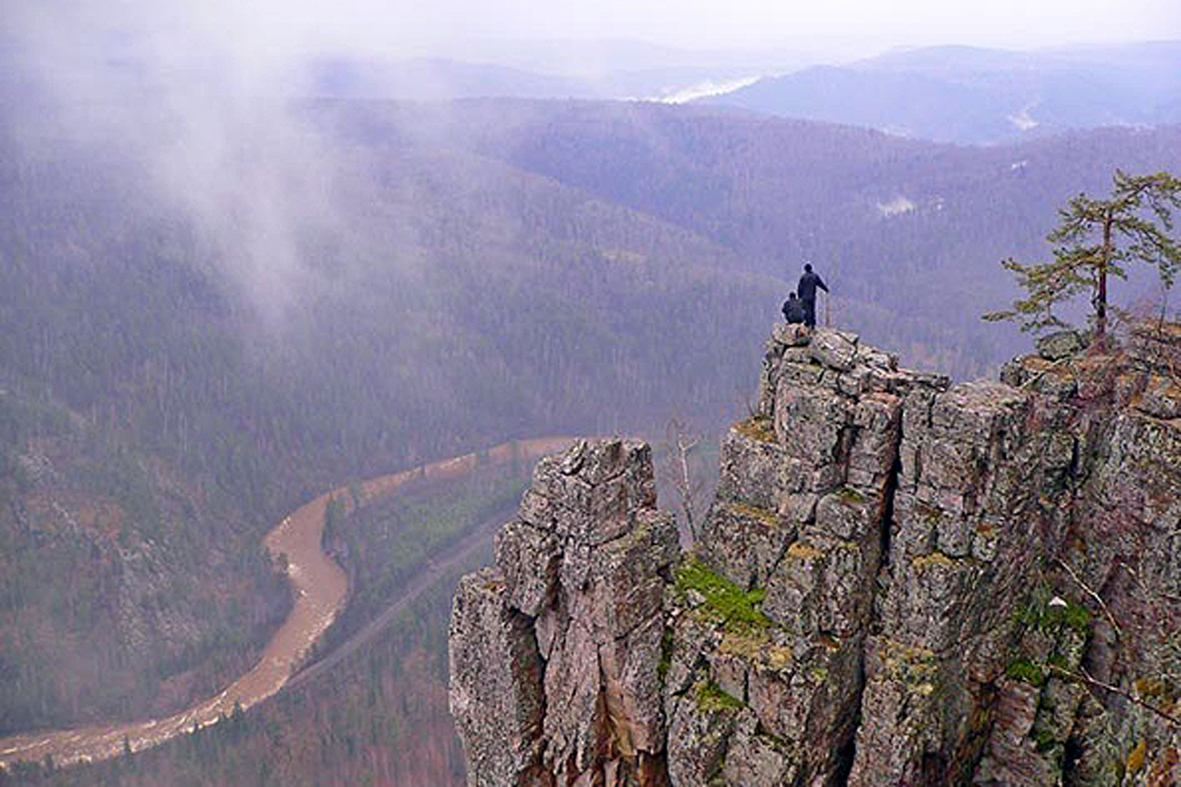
(203, 107)
(706, 89)
(1022, 118)
(898, 206)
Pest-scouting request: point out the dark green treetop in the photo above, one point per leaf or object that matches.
(1095, 238)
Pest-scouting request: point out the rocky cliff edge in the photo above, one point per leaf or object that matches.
(899, 582)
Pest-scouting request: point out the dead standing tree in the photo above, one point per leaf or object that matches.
(681, 444)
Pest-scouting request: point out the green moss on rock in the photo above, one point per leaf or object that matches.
(1044, 740)
(850, 496)
(737, 610)
(1026, 671)
(712, 699)
(1041, 612)
(666, 653)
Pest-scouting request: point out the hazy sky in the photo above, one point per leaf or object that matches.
(708, 23)
(275, 28)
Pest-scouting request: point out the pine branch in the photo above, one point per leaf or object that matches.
(1134, 225)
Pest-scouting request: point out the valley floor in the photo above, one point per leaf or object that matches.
(320, 588)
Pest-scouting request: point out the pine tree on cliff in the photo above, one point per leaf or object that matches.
(1096, 239)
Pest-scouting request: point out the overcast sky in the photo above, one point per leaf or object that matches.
(260, 29)
(709, 23)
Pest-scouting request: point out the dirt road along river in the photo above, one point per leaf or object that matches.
(320, 589)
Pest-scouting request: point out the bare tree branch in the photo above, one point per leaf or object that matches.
(1097, 598)
(1082, 676)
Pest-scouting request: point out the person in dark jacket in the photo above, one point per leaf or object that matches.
(793, 309)
(807, 289)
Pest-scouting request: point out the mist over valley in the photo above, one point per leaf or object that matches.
(229, 285)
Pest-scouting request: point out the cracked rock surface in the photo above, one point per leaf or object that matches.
(555, 652)
(900, 581)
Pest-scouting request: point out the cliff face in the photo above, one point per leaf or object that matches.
(899, 582)
(555, 653)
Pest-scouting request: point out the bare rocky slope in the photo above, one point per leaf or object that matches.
(899, 582)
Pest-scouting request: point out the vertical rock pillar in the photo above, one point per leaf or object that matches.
(555, 653)
(800, 522)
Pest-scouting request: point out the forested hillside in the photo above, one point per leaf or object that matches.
(457, 299)
(126, 589)
(380, 715)
(349, 288)
(909, 232)
(444, 317)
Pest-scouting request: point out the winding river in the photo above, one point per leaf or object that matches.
(320, 588)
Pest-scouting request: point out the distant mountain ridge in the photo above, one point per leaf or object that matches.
(444, 79)
(433, 79)
(969, 95)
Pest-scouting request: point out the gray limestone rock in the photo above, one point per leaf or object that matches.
(873, 357)
(528, 559)
(744, 543)
(790, 335)
(592, 489)
(889, 561)
(1161, 398)
(799, 517)
(834, 349)
(698, 739)
(496, 689)
(755, 757)
(758, 472)
(846, 514)
(812, 424)
(1060, 344)
(1155, 347)
(572, 626)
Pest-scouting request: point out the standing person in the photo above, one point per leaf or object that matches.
(807, 289)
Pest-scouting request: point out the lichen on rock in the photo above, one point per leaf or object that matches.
(555, 653)
(899, 581)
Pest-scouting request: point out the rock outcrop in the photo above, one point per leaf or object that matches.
(899, 582)
(555, 653)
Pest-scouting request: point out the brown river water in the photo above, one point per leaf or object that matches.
(320, 589)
